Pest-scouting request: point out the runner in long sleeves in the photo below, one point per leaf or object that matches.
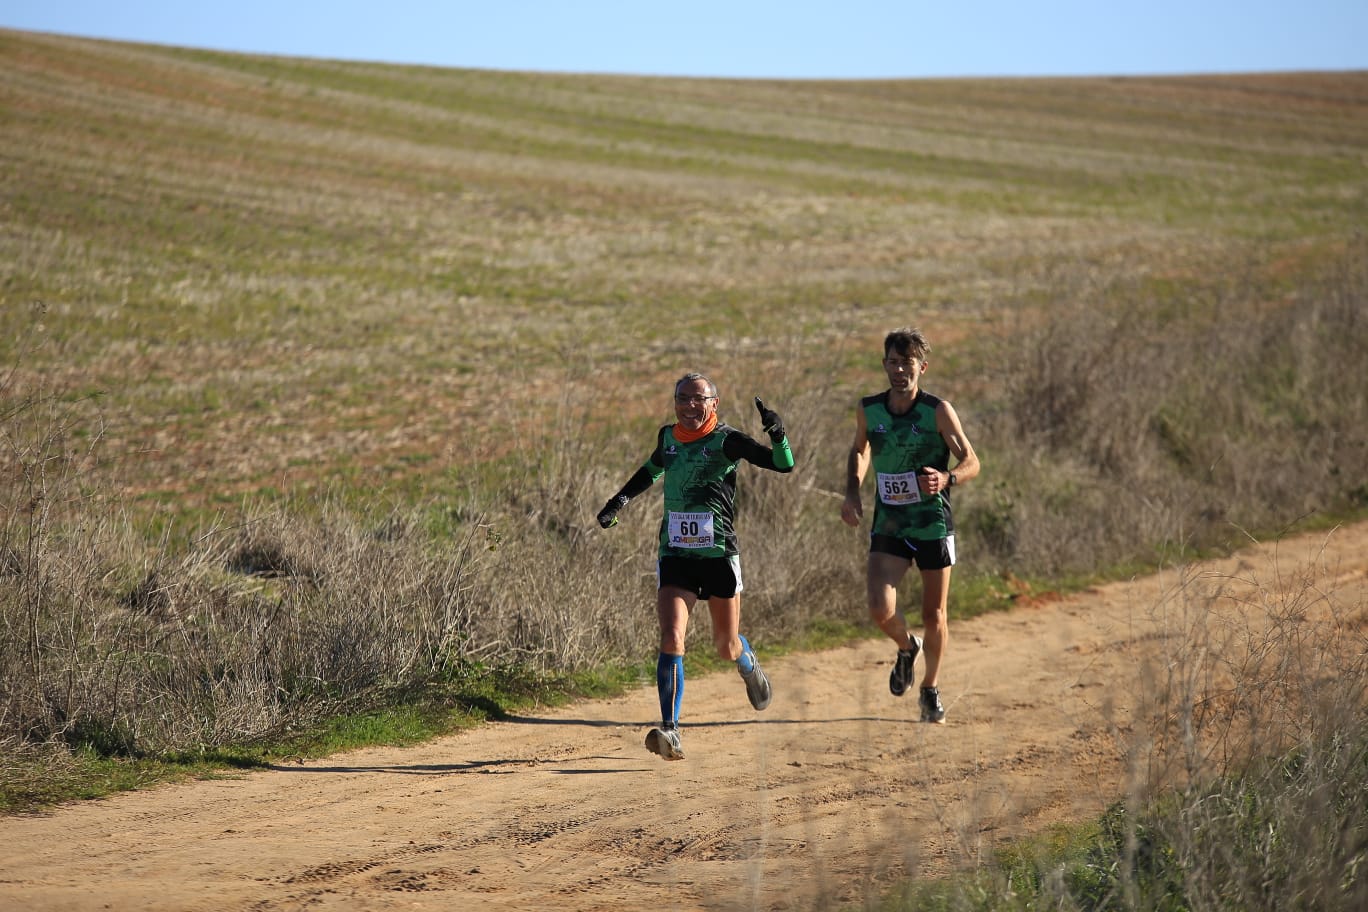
(699, 556)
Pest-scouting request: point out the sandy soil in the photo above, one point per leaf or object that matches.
(821, 799)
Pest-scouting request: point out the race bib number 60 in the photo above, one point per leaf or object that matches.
(691, 530)
(899, 489)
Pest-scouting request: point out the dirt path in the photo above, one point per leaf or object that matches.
(823, 798)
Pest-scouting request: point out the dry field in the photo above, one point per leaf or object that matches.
(268, 274)
(303, 362)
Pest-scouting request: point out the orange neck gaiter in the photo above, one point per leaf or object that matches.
(684, 435)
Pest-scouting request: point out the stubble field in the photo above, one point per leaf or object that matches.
(314, 374)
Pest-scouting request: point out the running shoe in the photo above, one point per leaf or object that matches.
(757, 686)
(665, 741)
(900, 678)
(931, 708)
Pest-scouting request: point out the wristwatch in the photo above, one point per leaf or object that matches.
(951, 483)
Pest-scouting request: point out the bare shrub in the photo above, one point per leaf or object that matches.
(1252, 752)
(1143, 416)
(1248, 742)
(194, 652)
(1126, 421)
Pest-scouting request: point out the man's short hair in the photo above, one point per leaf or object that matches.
(907, 342)
(694, 375)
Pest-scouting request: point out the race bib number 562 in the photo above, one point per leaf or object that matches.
(899, 489)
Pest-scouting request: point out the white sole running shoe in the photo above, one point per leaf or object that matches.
(931, 708)
(758, 687)
(665, 742)
(900, 678)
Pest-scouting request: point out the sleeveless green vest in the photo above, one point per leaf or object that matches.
(900, 445)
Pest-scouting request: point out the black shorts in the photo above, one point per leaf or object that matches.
(935, 554)
(705, 577)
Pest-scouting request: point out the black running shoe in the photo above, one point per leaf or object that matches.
(900, 678)
(931, 708)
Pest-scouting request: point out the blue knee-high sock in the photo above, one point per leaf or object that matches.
(745, 663)
(670, 683)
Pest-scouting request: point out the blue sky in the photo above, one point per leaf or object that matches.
(845, 39)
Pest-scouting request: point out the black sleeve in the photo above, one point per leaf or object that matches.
(738, 445)
(639, 483)
(650, 470)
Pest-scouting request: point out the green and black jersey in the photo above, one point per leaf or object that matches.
(901, 445)
(700, 487)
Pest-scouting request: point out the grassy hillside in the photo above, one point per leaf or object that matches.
(314, 374)
(269, 271)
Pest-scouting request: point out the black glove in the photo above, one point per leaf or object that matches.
(770, 420)
(608, 515)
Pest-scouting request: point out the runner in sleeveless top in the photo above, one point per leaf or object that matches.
(909, 436)
(698, 556)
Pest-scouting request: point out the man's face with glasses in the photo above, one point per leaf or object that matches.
(694, 403)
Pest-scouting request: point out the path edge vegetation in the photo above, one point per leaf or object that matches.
(1138, 386)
